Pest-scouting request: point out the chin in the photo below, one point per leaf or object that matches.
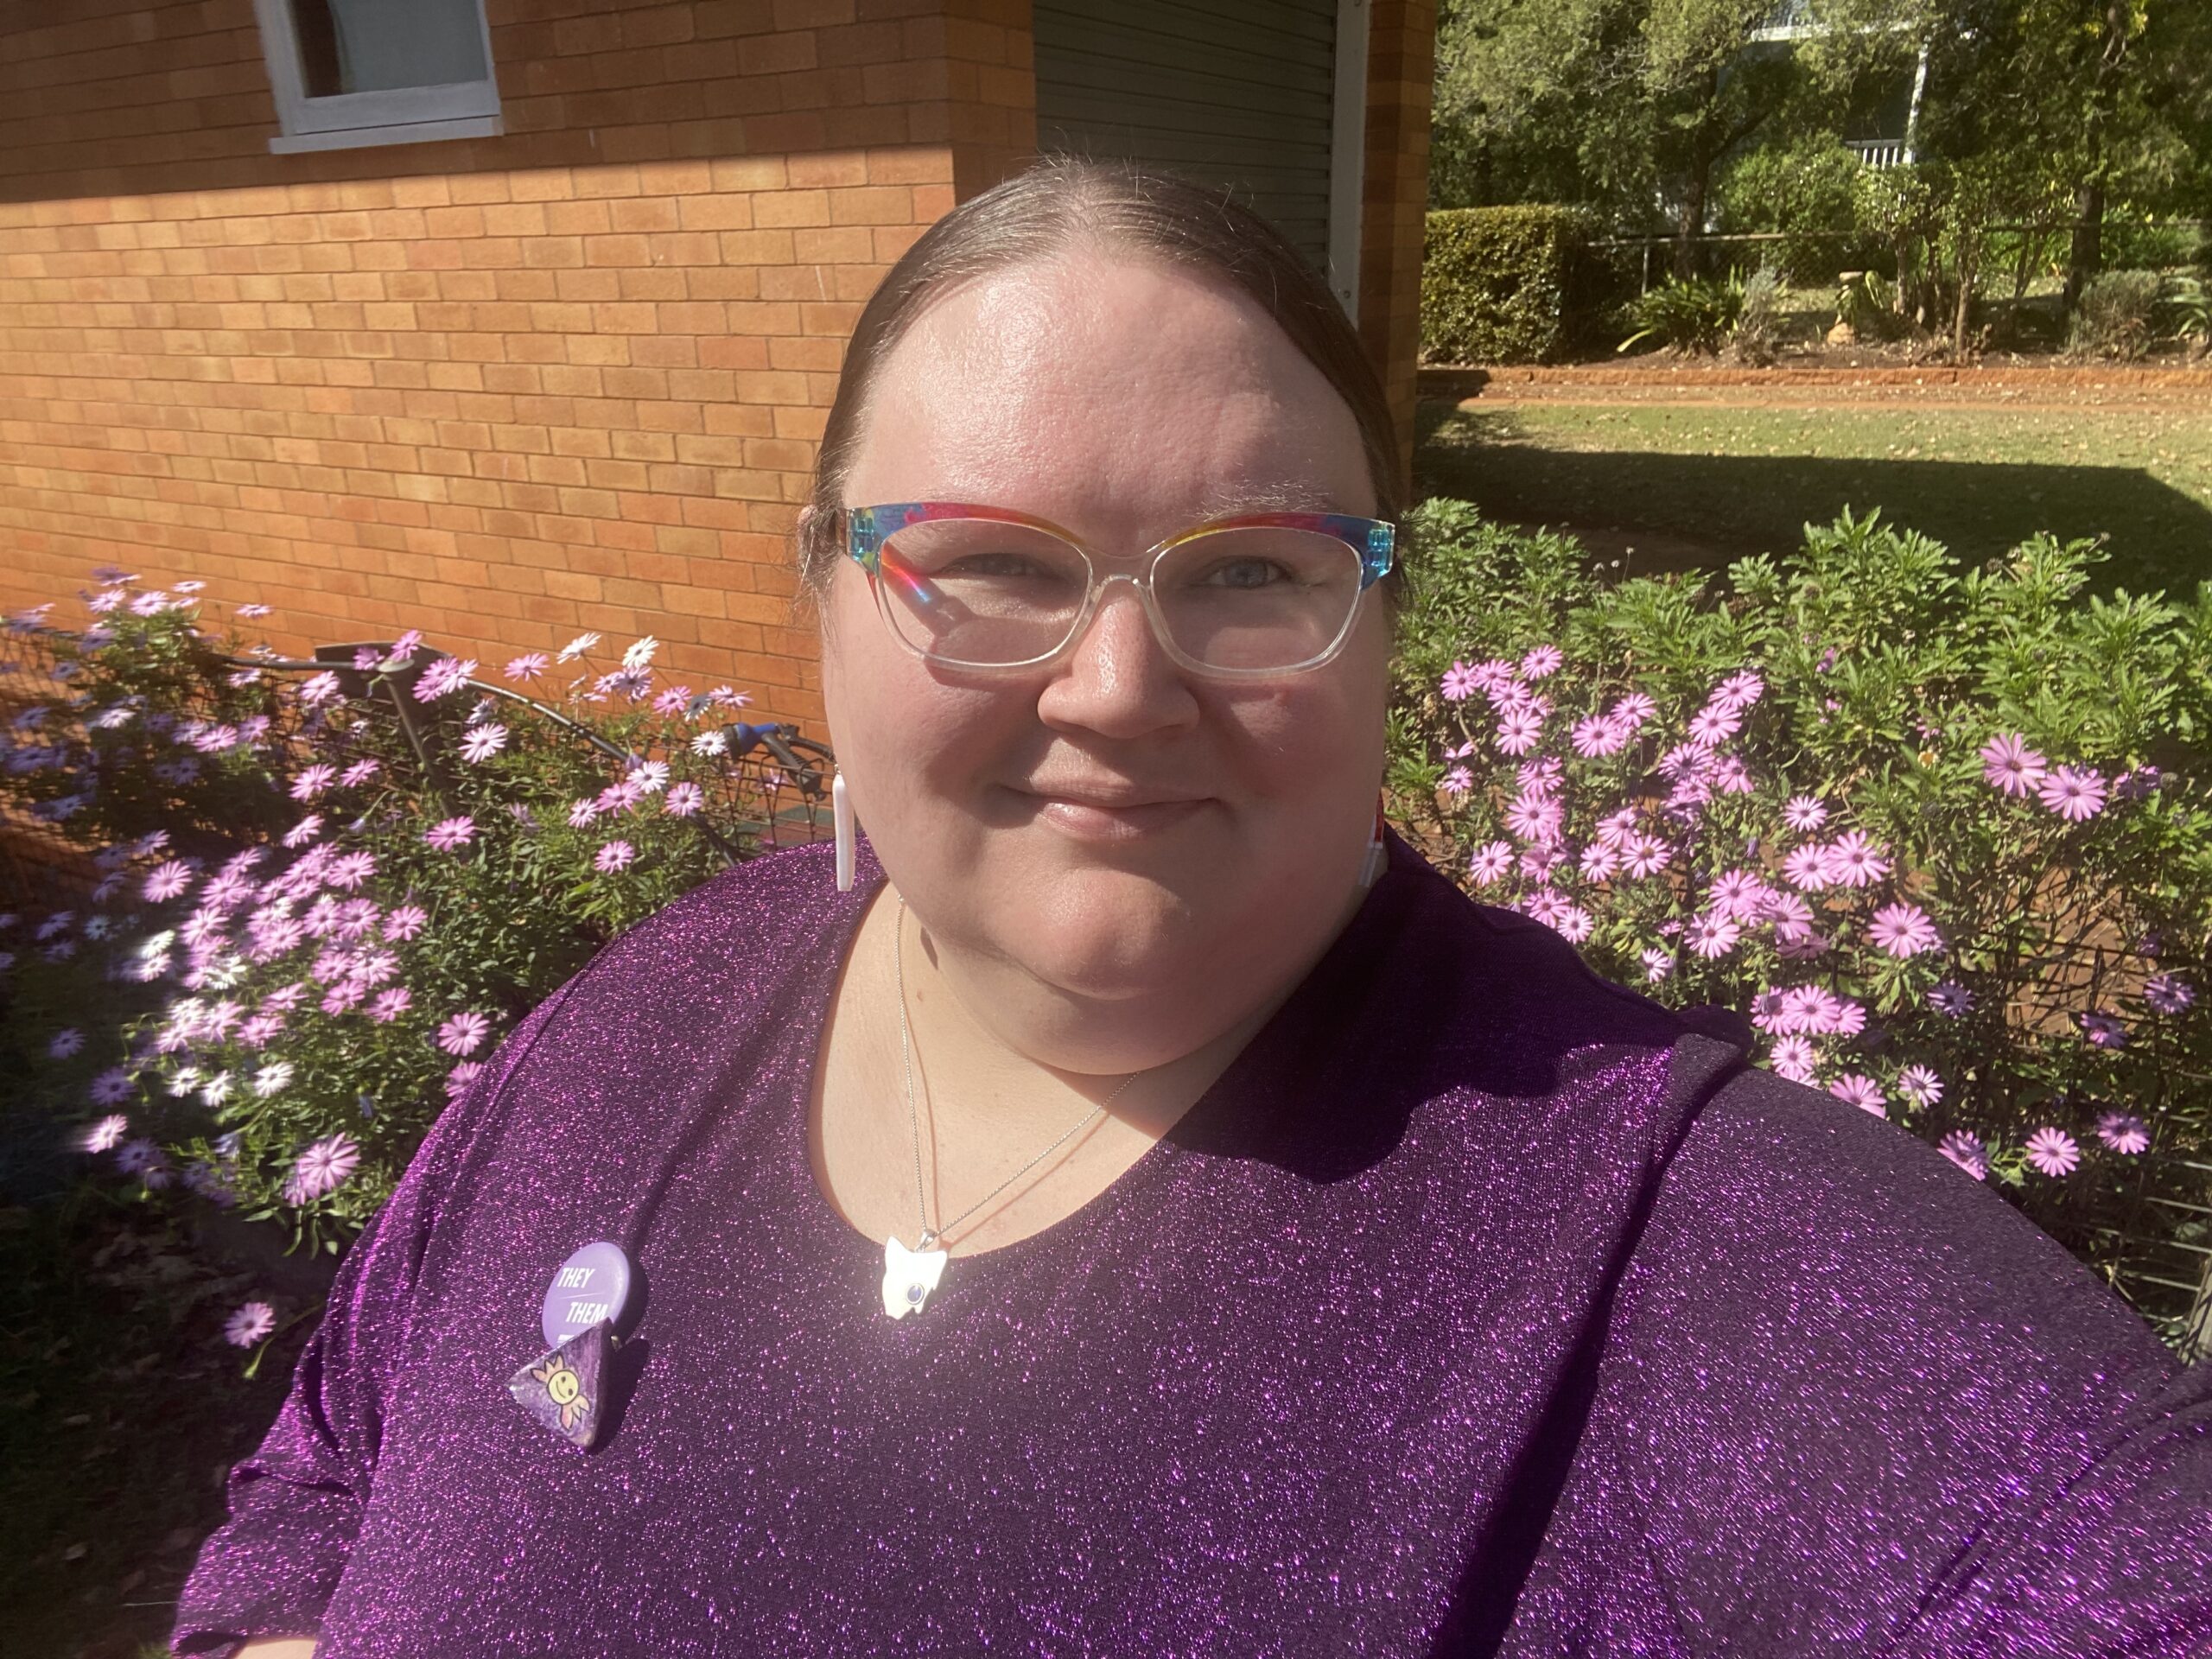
(1115, 928)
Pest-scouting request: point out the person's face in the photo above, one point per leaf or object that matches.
(1123, 833)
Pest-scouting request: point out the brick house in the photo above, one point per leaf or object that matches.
(506, 318)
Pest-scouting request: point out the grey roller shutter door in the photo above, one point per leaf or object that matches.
(1229, 92)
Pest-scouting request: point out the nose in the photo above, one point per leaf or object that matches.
(1117, 680)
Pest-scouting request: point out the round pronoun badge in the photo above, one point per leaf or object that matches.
(591, 1284)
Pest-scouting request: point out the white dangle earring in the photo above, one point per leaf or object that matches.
(841, 815)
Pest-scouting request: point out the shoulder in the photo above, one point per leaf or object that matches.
(1502, 1004)
(1813, 1277)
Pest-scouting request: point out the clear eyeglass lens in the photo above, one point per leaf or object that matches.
(977, 592)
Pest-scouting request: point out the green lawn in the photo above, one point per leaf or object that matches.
(1702, 483)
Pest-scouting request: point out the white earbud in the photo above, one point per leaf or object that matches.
(841, 815)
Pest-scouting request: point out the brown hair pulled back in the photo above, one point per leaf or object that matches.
(1058, 203)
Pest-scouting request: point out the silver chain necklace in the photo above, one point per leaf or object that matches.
(910, 1276)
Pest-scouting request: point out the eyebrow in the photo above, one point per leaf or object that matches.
(1278, 498)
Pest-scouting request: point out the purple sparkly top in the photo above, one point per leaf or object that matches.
(1480, 1306)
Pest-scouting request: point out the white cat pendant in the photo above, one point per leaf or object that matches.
(909, 1275)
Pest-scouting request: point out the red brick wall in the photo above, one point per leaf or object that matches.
(503, 389)
(507, 389)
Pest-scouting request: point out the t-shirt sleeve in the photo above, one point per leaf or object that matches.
(297, 1503)
(1853, 1401)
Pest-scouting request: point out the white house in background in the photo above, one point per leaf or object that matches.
(1894, 118)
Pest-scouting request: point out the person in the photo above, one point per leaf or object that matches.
(1152, 1210)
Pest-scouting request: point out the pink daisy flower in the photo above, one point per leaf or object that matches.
(311, 782)
(464, 1033)
(1793, 1059)
(683, 799)
(1710, 727)
(1966, 1150)
(583, 812)
(1854, 862)
(1920, 1085)
(481, 742)
(112, 1087)
(1490, 863)
(349, 870)
(2007, 763)
(1739, 691)
(167, 879)
(448, 834)
(390, 1004)
(1458, 781)
(461, 1077)
(323, 1167)
(1644, 855)
(250, 1324)
(1597, 736)
(1632, 713)
(1657, 963)
(404, 922)
(2103, 1030)
(1790, 917)
(1902, 931)
(1538, 862)
(1599, 862)
(1809, 868)
(2124, 1133)
(106, 1134)
(359, 773)
(1518, 730)
(1712, 937)
(1542, 663)
(615, 855)
(1737, 895)
(1857, 1088)
(2054, 1152)
(1951, 999)
(528, 666)
(1460, 683)
(1616, 826)
(1804, 814)
(1536, 819)
(2168, 993)
(2073, 792)
(443, 678)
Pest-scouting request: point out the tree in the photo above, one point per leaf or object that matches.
(1631, 105)
(2107, 99)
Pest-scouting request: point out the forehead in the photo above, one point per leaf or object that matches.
(1124, 397)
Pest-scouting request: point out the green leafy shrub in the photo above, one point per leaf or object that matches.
(1942, 834)
(319, 896)
(1806, 191)
(1757, 336)
(2185, 310)
(1505, 284)
(2117, 315)
(1689, 315)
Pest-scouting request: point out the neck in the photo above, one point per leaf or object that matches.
(993, 1043)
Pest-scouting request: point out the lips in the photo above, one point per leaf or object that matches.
(1109, 812)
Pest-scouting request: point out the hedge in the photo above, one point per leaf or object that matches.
(1504, 284)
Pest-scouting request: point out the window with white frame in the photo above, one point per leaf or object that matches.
(347, 72)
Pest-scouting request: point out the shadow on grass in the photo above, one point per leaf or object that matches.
(1696, 511)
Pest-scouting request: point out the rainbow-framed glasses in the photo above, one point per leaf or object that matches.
(1252, 596)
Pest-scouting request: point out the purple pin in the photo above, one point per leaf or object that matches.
(592, 1286)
